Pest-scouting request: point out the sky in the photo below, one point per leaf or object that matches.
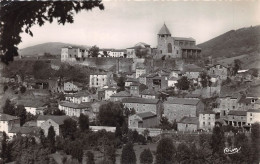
(124, 23)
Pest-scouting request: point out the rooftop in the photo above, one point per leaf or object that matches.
(207, 112)
(185, 39)
(192, 68)
(149, 92)
(25, 130)
(189, 120)
(164, 30)
(121, 94)
(237, 113)
(146, 115)
(31, 103)
(7, 117)
(74, 105)
(58, 119)
(140, 100)
(184, 101)
(254, 110)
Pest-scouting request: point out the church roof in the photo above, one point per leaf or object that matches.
(164, 31)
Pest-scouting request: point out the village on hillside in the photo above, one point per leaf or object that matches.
(150, 105)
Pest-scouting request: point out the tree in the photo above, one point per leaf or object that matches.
(4, 147)
(183, 83)
(121, 84)
(9, 108)
(141, 52)
(83, 122)
(128, 154)
(118, 132)
(255, 138)
(217, 141)
(146, 157)
(183, 153)
(69, 128)
(90, 158)
(236, 66)
(94, 51)
(77, 151)
(51, 139)
(5, 88)
(205, 80)
(165, 152)
(18, 15)
(23, 89)
(111, 114)
(21, 112)
(42, 138)
(165, 124)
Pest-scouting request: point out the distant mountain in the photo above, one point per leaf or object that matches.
(53, 48)
(233, 43)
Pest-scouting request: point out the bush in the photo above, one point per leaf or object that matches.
(146, 157)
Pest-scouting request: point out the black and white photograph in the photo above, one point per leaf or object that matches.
(129, 82)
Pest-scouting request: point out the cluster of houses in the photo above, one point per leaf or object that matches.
(142, 91)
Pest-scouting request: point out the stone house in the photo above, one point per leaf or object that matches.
(79, 97)
(130, 81)
(134, 89)
(192, 71)
(237, 118)
(143, 120)
(157, 80)
(109, 92)
(24, 131)
(120, 95)
(101, 79)
(188, 124)
(245, 103)
(7, 122)
(74, 109)
(142, 78)
(252, 116)
(56, 122)
(207, 120)
(144, 105)
(140, 70)
(172, 81)
(71, 86)
(219, 70)
(177, 108)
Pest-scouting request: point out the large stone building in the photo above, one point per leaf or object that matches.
(177, 108)
(69, 54)
(207, 120)
(176, 47)
(99, 80)
(188, 124)
(143, 120)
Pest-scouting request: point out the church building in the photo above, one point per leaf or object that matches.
(176, 47)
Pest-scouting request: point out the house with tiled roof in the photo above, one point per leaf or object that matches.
(24, 131)
(140, 70)
(236, 118)
(143, 120)
(252, 116)
(79, 97)
(144, 105)
(192, 71)
(7, 122)
(100, 79)
(149, 94)
(219, 70)
(46, 121)
(157, 80)
(188, 124)
(129, 81)
(120, 95)
(207, 120)
(72, 86)
(74, 109)
(177, 108)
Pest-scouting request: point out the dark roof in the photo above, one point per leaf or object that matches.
(31, 103)
(58, 119)
(182, 38)
(30, 124)
(207, 112)
(149, 92)
(75, 105)
(190, 47)
(7, 117)
(237, 113)
(184, 101)
(164, 31)
(131, 80)
(191, 95)
(140, 66)
(121, 94)
(192, 68)
(25, 130)
(140, 100)
(82, 93)
(254, 110)
(245, 100)
(189, 120)
(146, 115)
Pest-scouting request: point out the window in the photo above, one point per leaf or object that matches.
(203, 123)
(209, 123)
(186, 125)
(177, 51)
(251, 119)
(169, 48)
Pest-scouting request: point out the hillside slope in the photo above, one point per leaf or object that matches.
(233, 43)
(53, 48)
